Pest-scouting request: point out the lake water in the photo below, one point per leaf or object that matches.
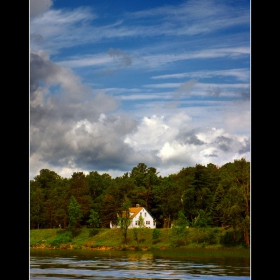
(80, 264)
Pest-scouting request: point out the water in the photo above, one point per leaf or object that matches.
(68, 264)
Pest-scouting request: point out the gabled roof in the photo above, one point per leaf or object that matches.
(135, 211)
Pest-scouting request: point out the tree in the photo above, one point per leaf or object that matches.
(203, 219)
(36, 205)
(235, 206)
(156, 235)
(190, 203)
(216, 213)
(75, 213)
(180, 228)
(144, 178)
(109, 210)
(97, 183)
(62, 200)
(94, 220)
(201, 184)
(124, 220)
(138, 231)
(80, 190)
(46, 180)
(168, 198)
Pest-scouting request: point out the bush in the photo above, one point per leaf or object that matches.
(177, 243)
(212, 236)
(197, 235)
(232, 237)
(156, 234)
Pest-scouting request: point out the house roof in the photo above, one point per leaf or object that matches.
(135, 211)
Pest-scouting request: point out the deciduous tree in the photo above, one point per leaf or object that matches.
(235, 179)
(124, 220)
(75, 213)
(180, 228)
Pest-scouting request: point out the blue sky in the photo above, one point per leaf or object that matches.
(117, 83)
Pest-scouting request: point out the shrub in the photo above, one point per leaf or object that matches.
(232, 237)
(156, 234)
(212, 236)
(197, 235)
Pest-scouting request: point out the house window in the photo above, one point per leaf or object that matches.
(147, 222)
(145, 214)
(136, 223)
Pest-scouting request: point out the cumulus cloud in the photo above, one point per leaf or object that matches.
(74, 127)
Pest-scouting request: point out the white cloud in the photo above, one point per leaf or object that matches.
(149, 134)
(82, 120)
(90, 60)
(239, 74)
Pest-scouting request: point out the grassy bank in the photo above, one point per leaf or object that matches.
(112, 239)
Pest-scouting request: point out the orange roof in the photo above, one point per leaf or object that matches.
(135, 211)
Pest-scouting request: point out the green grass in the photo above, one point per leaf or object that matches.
(89, 238)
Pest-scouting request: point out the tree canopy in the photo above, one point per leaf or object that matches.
(206, 196)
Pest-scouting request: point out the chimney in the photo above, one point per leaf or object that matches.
(137, 205)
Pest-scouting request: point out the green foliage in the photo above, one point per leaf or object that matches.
(167, 197)
(212, 236)
(138, 232)
(156, 234)
(201, 192)
(136, 235)
(235, 206)
(180, 228)
(232, 237)
(93, 232)
(216, 213)
(198, 235)
(209, 236)
(75, 213)
(109, 209)
(124, 220)
(141, 222)
(37, 204)
(79, 188)
(94, 220)
(112, 238)
(203, 219)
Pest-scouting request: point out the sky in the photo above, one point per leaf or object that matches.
(117, 83)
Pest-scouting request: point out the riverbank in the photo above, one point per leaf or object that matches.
(112, 239)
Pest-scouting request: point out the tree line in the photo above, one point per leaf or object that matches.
(200, 196)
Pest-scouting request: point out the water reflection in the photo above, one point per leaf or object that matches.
(69, 264)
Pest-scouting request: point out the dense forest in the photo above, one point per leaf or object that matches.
(206, 196)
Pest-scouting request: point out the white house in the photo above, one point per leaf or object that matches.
(135, 213)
